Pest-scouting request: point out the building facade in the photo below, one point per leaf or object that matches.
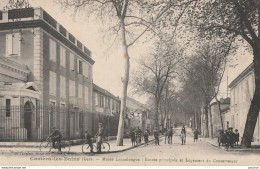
(106, 110)
(242, 90)
(46, 71)
(137, 115)
(216, 115)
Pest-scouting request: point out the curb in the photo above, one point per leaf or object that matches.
(129, 148)
(232, 149)
(117, 151)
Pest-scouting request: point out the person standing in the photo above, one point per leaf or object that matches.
(138, 135)
(133, 139)
(170, 133)
(99, 135)
(196, 135)
(165, 135)
(156, 136)
(183, 135)
(146, 137)
(236, 136)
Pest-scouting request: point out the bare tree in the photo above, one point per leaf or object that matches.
(156, 71)
(132, 19)
(240, 18)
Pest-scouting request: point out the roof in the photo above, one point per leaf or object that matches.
(38, 17)
(105, 92)
(243, 74)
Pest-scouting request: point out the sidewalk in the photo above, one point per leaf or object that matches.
(214, 142)
(75, 148)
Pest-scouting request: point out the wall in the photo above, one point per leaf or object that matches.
(241, 96)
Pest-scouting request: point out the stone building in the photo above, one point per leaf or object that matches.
(46, 71)
(242, 90)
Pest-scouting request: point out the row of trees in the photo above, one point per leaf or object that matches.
(130, 20)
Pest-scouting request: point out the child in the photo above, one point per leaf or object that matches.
(89, 141)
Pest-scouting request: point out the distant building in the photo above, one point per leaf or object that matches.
(46, 69)
(137, 115)
(225, 113)
(216, 120)
(242, 90)
(106, 109)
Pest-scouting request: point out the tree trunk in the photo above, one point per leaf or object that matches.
(120, 132)
(211, 123)
(253, 112)
(156, 113)
(206, 127)
(219, 108)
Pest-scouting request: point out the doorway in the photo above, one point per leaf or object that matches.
(28, 108)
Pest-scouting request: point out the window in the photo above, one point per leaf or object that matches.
(62, 56)
(52, 50)
(86, 94)
(8, 107)
(101, 101)
(52, 115)
(72, 88)
(80, 91)
(62, 116)
(72, 63)
(80, 70)
(13, 44)
(62, 87)
(85, 69)
(113, 105)
(108, 103)
(96, 99)
(52, 83)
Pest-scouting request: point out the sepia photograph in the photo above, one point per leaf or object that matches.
(129, 83)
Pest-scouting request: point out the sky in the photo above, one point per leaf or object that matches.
(109, 64)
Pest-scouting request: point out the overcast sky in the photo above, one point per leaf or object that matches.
(108, 67)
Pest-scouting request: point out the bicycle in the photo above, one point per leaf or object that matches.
(105, 147)
(46, 146)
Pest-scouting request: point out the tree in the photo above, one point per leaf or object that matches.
(240, 18)
(132, 18)
(204, 73)
(156, 71)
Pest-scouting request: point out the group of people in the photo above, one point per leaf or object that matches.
(228, 137)
(136, 136)
(56, 137)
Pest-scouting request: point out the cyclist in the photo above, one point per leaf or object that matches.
(99, 135)
(55, 136)
(89, 141)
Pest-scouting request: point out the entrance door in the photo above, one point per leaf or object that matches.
(28, 119)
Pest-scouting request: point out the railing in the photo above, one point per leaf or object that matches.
(35, 123)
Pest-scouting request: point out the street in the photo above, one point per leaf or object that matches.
(192, 153)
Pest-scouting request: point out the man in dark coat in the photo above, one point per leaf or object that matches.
(156, 136)
(170, 133)
(196, 135)
(236, 136)
(132, 136)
